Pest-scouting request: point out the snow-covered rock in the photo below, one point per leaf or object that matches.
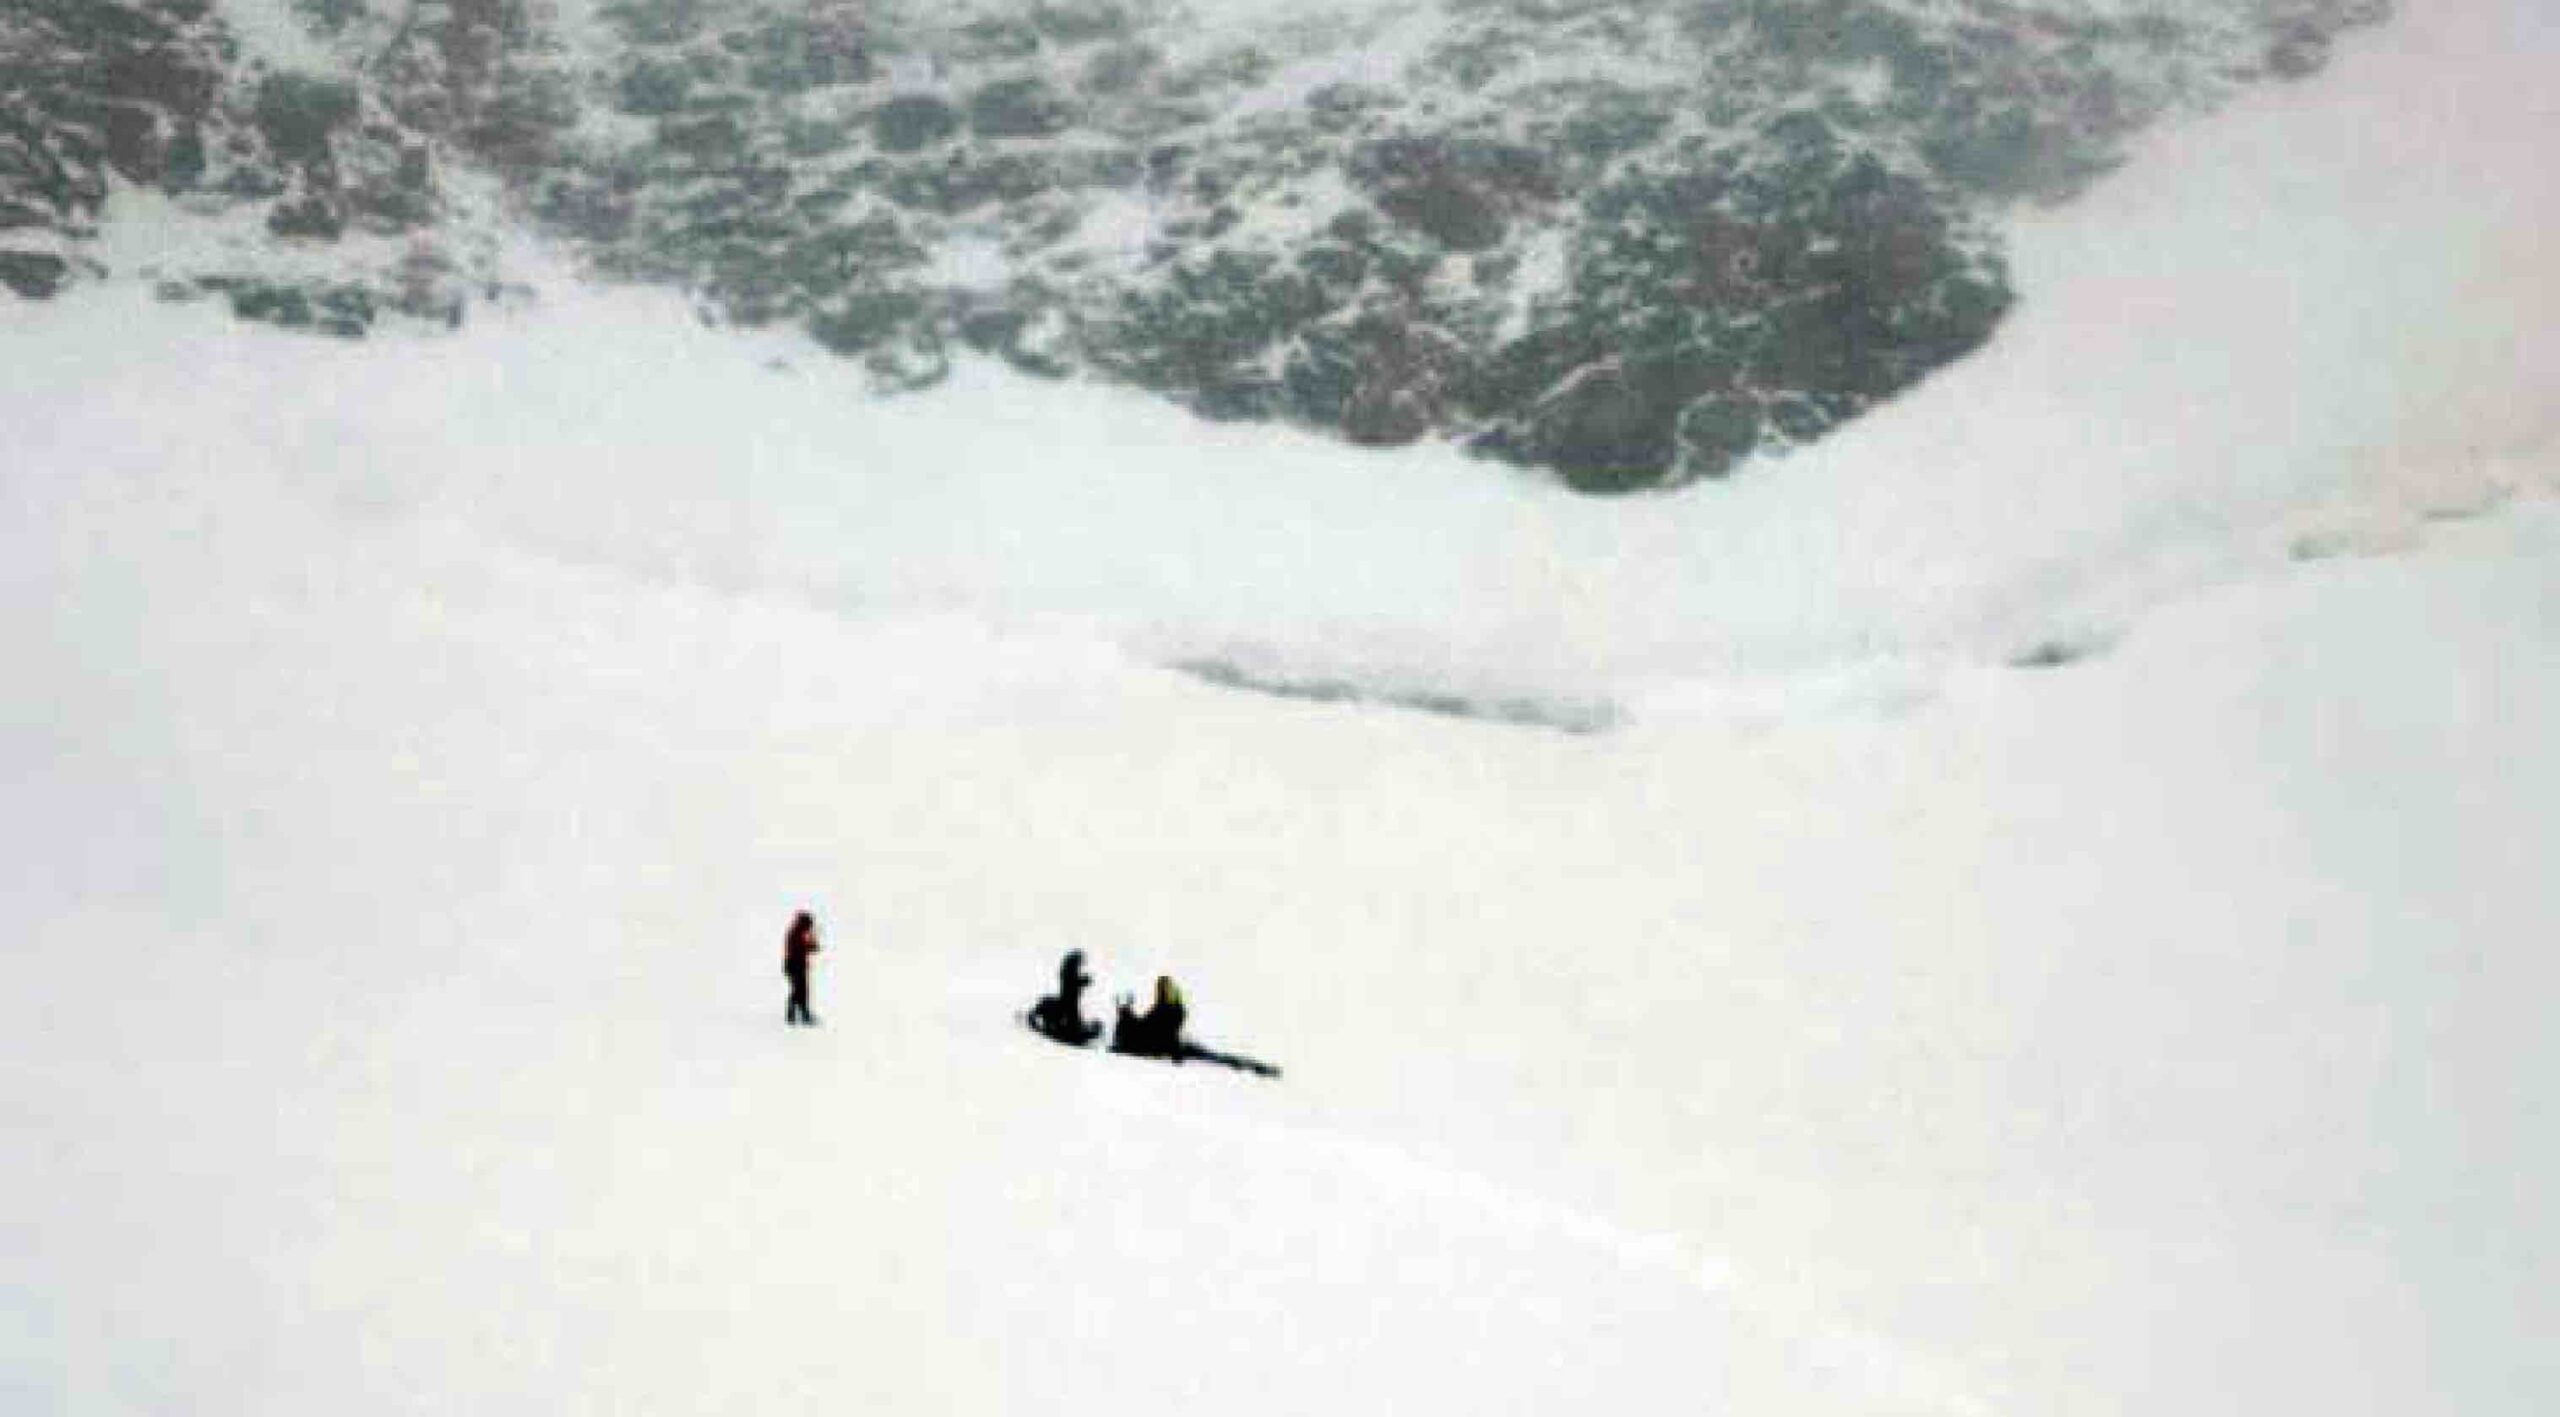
(1630, 241)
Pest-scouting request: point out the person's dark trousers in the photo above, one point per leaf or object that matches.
(798, 1009)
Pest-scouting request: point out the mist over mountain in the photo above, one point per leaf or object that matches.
(1631, 242)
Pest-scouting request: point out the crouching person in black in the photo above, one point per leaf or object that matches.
(1061, 1015)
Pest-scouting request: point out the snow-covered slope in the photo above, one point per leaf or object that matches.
(413, 753)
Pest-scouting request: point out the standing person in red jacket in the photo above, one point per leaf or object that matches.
(800, 942)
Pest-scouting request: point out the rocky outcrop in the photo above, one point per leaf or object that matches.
(1632, 242)
(159, 95)
(33, 275)
(91, 89)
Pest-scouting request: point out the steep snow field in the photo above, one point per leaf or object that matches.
(415, 750)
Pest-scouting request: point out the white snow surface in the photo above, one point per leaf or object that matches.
(271, 34)
(415, 749)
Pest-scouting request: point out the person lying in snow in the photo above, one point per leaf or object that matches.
(1061, 1015)
(1157, 1033)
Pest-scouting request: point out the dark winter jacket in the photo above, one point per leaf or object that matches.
(1157, 1032)
(798, 945)
(1061, 1015)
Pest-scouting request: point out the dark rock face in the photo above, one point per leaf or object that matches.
(344, 310)
(158, 94)
(1019, 108)
(1456, 192)
(2298, 52)
(481, 75)
(1781, 213)
(1770, 216)
(1383, 380)
(89, 87)
(1783, 293)
(297, 114)
(911, 123)
(33, 274)
(309, 215)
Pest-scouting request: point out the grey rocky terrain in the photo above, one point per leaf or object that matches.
(1626, 241)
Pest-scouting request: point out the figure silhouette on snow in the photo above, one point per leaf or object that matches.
(1157, 1033)
(798, 944)
(1061, 1015)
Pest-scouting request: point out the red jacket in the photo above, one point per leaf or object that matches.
(797, 946)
